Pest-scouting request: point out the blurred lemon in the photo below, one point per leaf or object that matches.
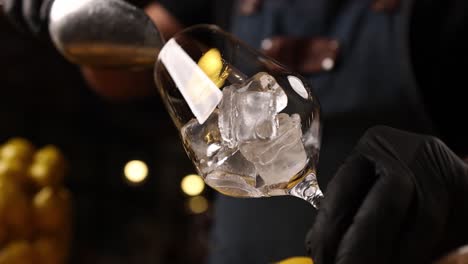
(50, 251)
(14, 170)
(297, 260)
(51, 210)
(29, 216)
(49, 155)
(44, 174)
(19, 252)
(48, 168)
(212, 65)
(17, 149)
(15, 210)
(3, 233)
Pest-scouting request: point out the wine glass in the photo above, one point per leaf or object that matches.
(250, 126)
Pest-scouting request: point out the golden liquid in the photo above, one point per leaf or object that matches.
(112, 55)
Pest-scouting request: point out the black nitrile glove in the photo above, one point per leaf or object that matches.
(399, 198)
(29, 16)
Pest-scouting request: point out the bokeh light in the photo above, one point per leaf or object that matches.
(198, 204)
(192, 185)
(136, 171)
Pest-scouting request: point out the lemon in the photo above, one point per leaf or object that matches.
(51, 209)
(3, 232)
(15, 209)
(48, 168)
(211, 63)
(50, 250)
(44, 174)
(14, 170)
(17, 149)
(297, 260)
(18, 252)
(49, 155)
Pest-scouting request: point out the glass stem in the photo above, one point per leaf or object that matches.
(308, 190)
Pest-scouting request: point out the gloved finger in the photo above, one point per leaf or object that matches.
(422, 239)
(372, 236)
(419, 240)
(425, 222)
(342, 199)
(31, 13)
(13, 12)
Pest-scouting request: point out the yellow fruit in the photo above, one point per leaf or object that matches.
(50, 250)
(51, 210)
(297, 260)
(211, 63)
(17, 149)
(3, 233)
(18, 252)
(14, 170)
(15, 210)
(46, 174)
(49, 155)
(48, 168)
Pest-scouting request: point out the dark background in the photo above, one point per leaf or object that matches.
(45, 100)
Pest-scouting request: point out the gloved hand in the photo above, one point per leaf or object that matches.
(29, 16)
(399, 198)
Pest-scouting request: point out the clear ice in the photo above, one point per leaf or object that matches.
(236, 174)
(279, 159)
(205, 143)
(223, 166)
(249, 112)
(246, 144)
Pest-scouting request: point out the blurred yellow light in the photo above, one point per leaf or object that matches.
(192, 185)
(198, 204)
(136, 171)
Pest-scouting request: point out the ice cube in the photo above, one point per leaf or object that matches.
(236, 176)
(255, 116)
(279, 159)
(238, 165)
(263, 81)
(205, 143)
(226, 116)
(248, 112)
(231, 185)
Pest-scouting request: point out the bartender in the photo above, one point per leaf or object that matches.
(399, 196)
